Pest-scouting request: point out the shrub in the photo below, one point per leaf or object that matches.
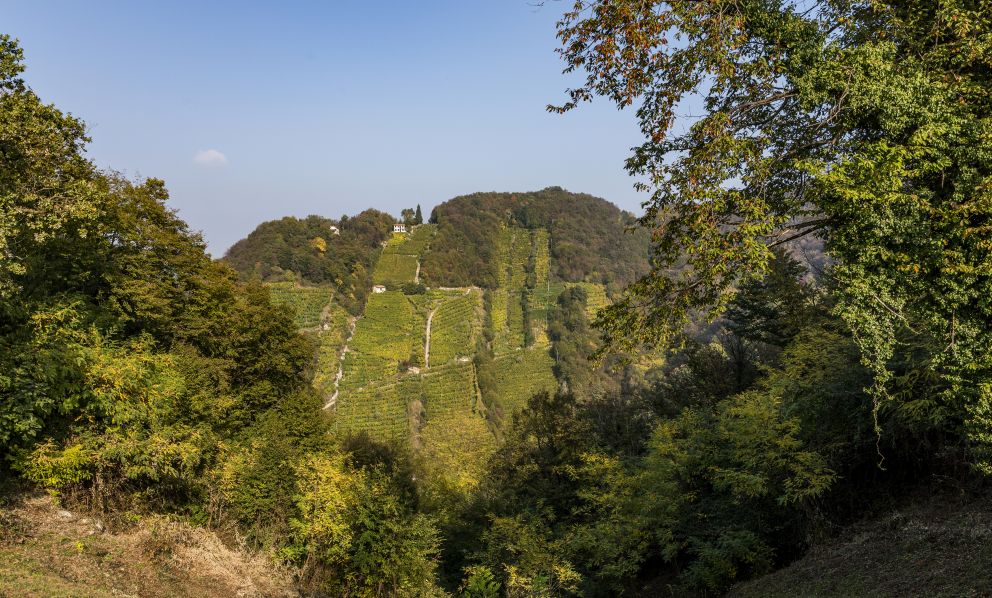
(357, 535)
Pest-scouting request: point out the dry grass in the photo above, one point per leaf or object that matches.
(45, 551)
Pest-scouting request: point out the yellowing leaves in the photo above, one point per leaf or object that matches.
(319, 244)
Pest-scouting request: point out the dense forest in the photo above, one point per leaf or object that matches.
(725, 413)
(591, 239)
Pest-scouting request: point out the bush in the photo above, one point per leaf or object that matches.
(723, 486)
(412, 288)
(357, 537)
(56, 469)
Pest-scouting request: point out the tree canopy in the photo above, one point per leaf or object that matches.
(589, 238)
(315, 250)
(868, 124)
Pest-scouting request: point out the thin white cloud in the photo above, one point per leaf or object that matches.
(210, 157)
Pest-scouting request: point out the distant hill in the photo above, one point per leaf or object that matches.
(444, 325)
(590, 240)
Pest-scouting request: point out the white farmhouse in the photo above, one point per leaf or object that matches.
(399, 227)
(379, 288)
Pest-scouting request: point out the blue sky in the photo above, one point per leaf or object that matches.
(252, 111)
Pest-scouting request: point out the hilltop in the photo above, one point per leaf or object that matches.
(299, 248)
(433, 337)
(590, 240)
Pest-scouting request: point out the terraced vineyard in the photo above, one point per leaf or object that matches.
(503, 242)
(449, 390)
(456, 323)
(360, 370)
(388, 404)
(538, 303)
(307, 303)
(398, 263)
(497, 310)
(512, 335)
(391, 327)
(331, 339)
(395, 269)
(519, 258)
(524, 260)
(389, 410)
(391, 332)
(380, 410)
(522, 374)
(413, 243)
(595, 297)
(541, 257)
(382, 394)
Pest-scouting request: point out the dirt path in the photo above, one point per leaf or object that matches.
(337, 377)
(416, 276)
(427, 340)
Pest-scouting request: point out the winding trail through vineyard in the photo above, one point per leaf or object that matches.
(427, 340)
(337, 377)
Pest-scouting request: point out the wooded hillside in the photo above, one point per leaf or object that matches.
(315, 250)
(590, 240)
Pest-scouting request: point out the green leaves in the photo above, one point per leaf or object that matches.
(720, 482)
(46, 185)
(354, 523)
(866, 125)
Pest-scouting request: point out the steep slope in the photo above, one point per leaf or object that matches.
(315, 250)
(453, 340)
(943, 548)
(46, 551)
(392, 387)
(400, 260)
(588, 236)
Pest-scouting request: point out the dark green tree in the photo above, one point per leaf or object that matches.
(285, 248)
(773, 309)
(588, 238)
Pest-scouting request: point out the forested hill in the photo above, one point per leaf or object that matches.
(292, 248)
(590, 241)
(590, 237)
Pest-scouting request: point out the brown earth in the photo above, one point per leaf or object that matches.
(49, 551)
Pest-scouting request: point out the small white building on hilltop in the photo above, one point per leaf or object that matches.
(334, 230)
(379, 288)
(399, 227)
